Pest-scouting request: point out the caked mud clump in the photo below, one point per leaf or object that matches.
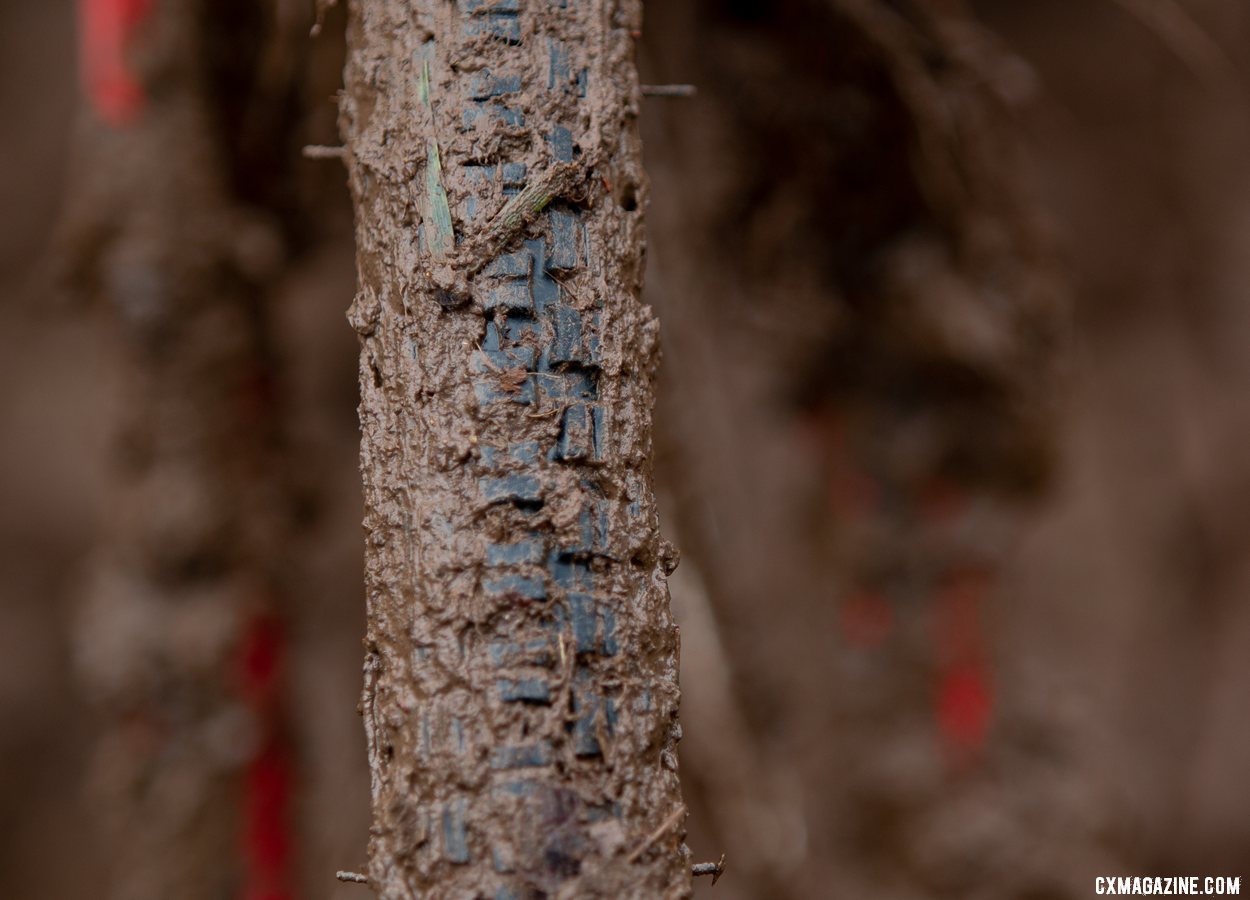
(521, 676)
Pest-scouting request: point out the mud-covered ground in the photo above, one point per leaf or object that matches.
(1112, 631)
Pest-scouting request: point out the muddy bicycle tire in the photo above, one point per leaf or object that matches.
(521, 671)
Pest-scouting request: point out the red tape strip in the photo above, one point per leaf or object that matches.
(268, 782)
(107, 29)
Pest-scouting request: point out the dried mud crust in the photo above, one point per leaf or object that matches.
(521, 676)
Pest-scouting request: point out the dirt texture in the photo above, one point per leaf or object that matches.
(173, 229)
(521, 675)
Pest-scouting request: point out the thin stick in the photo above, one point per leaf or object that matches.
(674, 817)
(319, 151)
(353, 877)
(522, 208)
(716, 869)
(669, 90)
(544, 413)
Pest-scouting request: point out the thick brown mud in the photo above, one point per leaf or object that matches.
(521, 676)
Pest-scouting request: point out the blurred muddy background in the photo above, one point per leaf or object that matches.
(950, 435)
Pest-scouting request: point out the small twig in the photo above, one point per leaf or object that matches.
(716, 869)
(353, 877)
(440, 237)
(521, 209)
(669, 90)
(319, 151)
(601, 735)
(674, 817)
(545, 413)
